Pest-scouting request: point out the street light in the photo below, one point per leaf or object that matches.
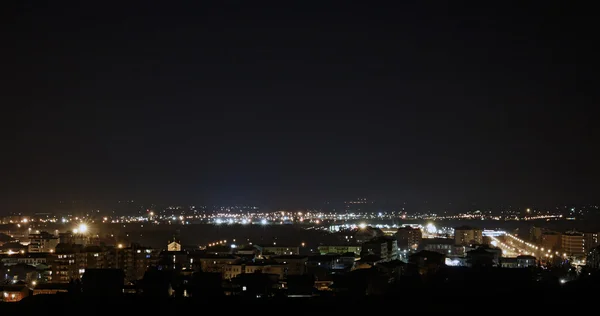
(83, 228)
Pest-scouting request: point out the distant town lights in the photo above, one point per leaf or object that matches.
(264, 221)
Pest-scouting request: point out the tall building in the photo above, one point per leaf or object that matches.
(133, 260)
(535, 234)
(591, 241)
(72, 238)
(70, 261)
(384, 247)
(42, 242)
(551, 240)
(67, 263)
(593, 258)
(573, 244)
(466, 235)
(408, 238)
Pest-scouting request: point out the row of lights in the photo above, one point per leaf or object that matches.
(541, 249)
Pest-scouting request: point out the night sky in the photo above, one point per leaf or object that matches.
(287, 105)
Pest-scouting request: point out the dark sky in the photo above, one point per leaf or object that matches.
(292, 105)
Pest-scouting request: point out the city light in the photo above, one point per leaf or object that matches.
(431, 229)
(264, 221)
(362, 225)
(83, 228)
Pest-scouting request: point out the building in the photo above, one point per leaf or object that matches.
(11, 248)
(174, 246)
(42, 242)
(278, 250)
(408, 238)
(443, 246)
(247, 250)
(213, 263)
(134, 260)
(535, 234)
(367, 233)
(50, 288)
(232, 271)
(466, 235)
(510, 263)
(573, 244)
(323, 265)
(525, 261)
(591, 241)
(69, 237)
(483, 257)
(295, 265)
(384, 247)
(551, 240)
(67, 263)
(427, 262)
(13, 293)
(339, 249)
(593, 258)
(33, 259)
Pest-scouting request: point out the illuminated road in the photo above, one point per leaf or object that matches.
(527, 248)
(507, 250)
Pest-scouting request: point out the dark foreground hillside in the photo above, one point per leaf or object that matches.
(461, 300)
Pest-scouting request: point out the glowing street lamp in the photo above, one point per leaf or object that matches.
(83, 228)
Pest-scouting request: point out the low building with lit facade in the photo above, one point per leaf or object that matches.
(526, 261)
(173, 246)
(523, 261)
(33, 259)
(295, 264)
(274, 250)
(12, 248)
(339, 249)
(443, 246)
(212, 263)
(232, 271)
(50, 289)
(13, 293)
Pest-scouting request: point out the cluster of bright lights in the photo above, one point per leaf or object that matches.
(431, 229)
(505, 248)
(217, 243)
(81, 229)
(537, 249)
